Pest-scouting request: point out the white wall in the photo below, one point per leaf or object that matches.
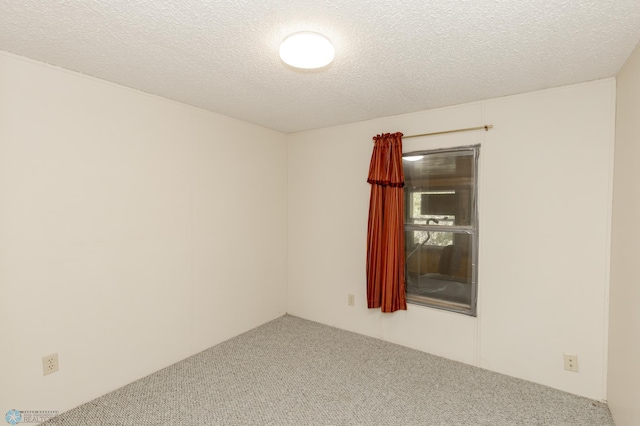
(544, 206)
(134, 232)
(624, 326)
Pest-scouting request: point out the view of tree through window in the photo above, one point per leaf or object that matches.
(430, 238)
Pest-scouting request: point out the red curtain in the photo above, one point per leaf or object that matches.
(385, 238)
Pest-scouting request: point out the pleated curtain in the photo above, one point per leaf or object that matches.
(385, 237)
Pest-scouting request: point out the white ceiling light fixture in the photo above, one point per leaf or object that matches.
(307, 50)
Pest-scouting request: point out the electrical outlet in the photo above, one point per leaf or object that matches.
(49, 364)
(571, 362)
(351, 300)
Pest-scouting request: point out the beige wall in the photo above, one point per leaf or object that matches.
(544, 207)
(624, 330)
(134, 232)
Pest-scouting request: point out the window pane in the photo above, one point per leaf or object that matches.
(441, 185)
(442, 273)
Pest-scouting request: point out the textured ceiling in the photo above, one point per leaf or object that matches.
(392, 57)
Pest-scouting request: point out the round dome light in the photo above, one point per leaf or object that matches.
(307, 50)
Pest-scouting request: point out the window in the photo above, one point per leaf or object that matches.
(441, 228)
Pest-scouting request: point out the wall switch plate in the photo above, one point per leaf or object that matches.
(351, 300)
(49, 364)
(571, 362)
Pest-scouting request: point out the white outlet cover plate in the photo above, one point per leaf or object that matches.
(571, 362)
(49, 364)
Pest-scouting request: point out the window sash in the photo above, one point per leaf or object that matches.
(456, 229)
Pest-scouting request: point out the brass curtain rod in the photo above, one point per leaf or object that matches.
(485, 127)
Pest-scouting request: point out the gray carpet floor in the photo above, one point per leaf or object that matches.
(296, 372)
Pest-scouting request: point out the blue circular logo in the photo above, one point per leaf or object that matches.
(13, 417)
